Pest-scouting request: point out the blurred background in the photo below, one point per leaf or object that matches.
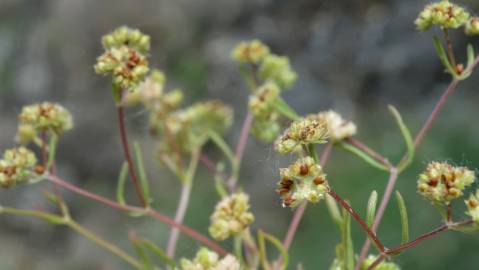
(353, 56)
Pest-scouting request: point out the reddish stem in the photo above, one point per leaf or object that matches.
(240, 148)
(358, 219)
(126, 151)
(147, 211)
(369, 151)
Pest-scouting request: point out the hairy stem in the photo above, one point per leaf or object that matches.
(148, 212)
(183, 203)
(126, 151)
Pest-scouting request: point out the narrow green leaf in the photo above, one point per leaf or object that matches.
(160, 253)
(471, 55)
(144, 258)
(365, 157)
(371, 210)
(50, 218)
(441, 52)
(347, 241)
(224, 147)
(404, 217)
(144, 183)
(407, 138)
(333, 210)
(282, 107)
(262, 236)
(219, 181)
(238, 249)
(52, 150)
(120, 188)
(262, 251)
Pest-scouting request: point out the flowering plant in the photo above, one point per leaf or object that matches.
(182, 132)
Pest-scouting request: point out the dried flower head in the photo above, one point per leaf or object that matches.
(251, 52)
(302, 132)
(231, 216)
(442, 182)
(17, 165)
(473, 206)
(472, 26)
(209, 260)
(191, 127)
(42, 117)
(338, 128)
(444, 14)
(303, 180)
(278, 69)
(124, 57)
(382, 266)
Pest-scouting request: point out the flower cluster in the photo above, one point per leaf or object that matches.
(151, 94)
(231, 216)
(338, 128)
(209, 260)
(275, 74)
(252, 52)
(124, 57)
(472, 26)
(303, 180)
(17, 165)
(444, 14)
(382, 266)
(442, 182)
(42, 117)
(302, 132)
(261, 105)
(191, 127)
(473, 206)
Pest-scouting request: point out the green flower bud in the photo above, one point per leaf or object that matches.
(382, 266)
(472, 205)
(338, 128)
(441, 182)
(17, 165)
(472, 26)
(42, 117)
(231, 216)
(277, 69)
(125, 36)
(251, 52)
(302, 132)
(303, 180)
(266, 130)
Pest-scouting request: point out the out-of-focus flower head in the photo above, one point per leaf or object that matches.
(191, 127)
(472, 205)
(17, 166)
(442, 182)
(444, 14)
(302, 132)
(382, 266)
(338, 128)
(472, 26)
(42, 117)
(303, 180)
(277, 69)
(231, 216)
(209, 260)
(252, 52)
(124, 57)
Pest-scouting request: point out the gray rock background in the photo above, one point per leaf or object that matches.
(354, 56)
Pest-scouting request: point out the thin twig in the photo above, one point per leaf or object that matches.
(358, 219)
(133, 209)
(240, 148)
(450, 50)
(126, 151)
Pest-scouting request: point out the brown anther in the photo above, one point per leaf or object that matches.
(303, 169)
(318, 180)
(432, 182)
(286, 183)
(459, 69)
(288, 201)
(39, 169)
(473, 203)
